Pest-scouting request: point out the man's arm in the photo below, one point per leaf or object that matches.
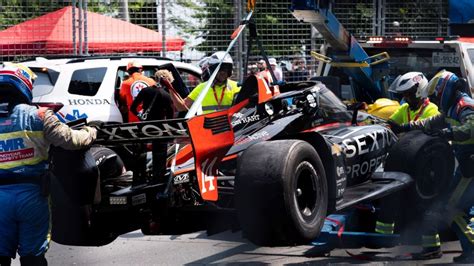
(179, 103)
(61, 135)
(436, 122)
(465, 131)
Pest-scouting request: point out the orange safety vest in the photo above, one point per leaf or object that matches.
(130, 89)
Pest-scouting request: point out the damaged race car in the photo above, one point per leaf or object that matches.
(280, 159)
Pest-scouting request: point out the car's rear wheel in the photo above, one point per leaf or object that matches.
(74, 193)
(281, 193)
(429, 160)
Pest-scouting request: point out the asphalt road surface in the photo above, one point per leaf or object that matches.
(225, 248)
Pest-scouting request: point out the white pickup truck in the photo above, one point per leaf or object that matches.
(428, 56)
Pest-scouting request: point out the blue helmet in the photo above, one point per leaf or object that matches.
(441, 89)
(16, 79)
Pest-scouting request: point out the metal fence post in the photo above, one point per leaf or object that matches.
(239, 51)
(74, 47)
(86, 41)
(80, 27)
(163, 28)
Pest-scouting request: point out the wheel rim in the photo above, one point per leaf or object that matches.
(431, 180)
(306, 193)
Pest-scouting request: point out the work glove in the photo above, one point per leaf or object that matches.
(396, 128)
(445, 133)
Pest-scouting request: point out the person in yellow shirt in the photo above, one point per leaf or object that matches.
(415, 107)
(223, 91)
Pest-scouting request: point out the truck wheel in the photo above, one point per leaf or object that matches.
(429, 160)
(281, 193)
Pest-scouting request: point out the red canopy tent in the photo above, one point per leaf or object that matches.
(53, 34)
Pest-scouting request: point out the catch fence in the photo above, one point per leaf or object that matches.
(188, 30)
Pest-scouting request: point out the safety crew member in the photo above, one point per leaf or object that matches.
(456, 123)
(415, 107)
(25, 135)
(130, 89)
(157, 105)
(223, 91)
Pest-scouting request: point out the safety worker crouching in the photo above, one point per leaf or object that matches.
(223, 91)
(415, 108)
(130, 89)
(25, 135)
(456, 123)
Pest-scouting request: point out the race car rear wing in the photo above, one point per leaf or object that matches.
(171, 130)
(211, 136)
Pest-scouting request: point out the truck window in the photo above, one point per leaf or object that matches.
(190, 79)
(402, 60)
(470, 52)
(427, 61)
(86, 82)
(42, 85)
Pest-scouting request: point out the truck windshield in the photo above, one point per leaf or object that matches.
(402, 60)
(427, 61)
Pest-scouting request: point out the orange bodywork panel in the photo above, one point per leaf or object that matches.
(211, 136)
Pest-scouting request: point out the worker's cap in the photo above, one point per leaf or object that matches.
(261, 61)
(272, 61)
(133, 64)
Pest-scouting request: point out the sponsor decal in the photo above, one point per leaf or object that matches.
(75, 115)
(12, 144)
(246, 120)
(367, 142)
(180, 179)
(207, 169)
(365, 167)
(263, 135)
(88, 102)
(14, 150)
(336, 149)
(238, 115)
(339, 170)
(144, 131)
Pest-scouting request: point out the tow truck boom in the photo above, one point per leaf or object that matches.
(346, 48)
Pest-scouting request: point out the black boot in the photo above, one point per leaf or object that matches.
(33, 261)
(465, 257)
(428, 254)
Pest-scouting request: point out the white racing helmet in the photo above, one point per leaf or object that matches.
(407, 82)
(227, 62)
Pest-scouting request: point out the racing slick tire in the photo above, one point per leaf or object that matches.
(281, 193)
(429, 160)
(109, 163)
(73, 189)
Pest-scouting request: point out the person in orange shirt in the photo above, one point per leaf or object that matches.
(130, 89)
